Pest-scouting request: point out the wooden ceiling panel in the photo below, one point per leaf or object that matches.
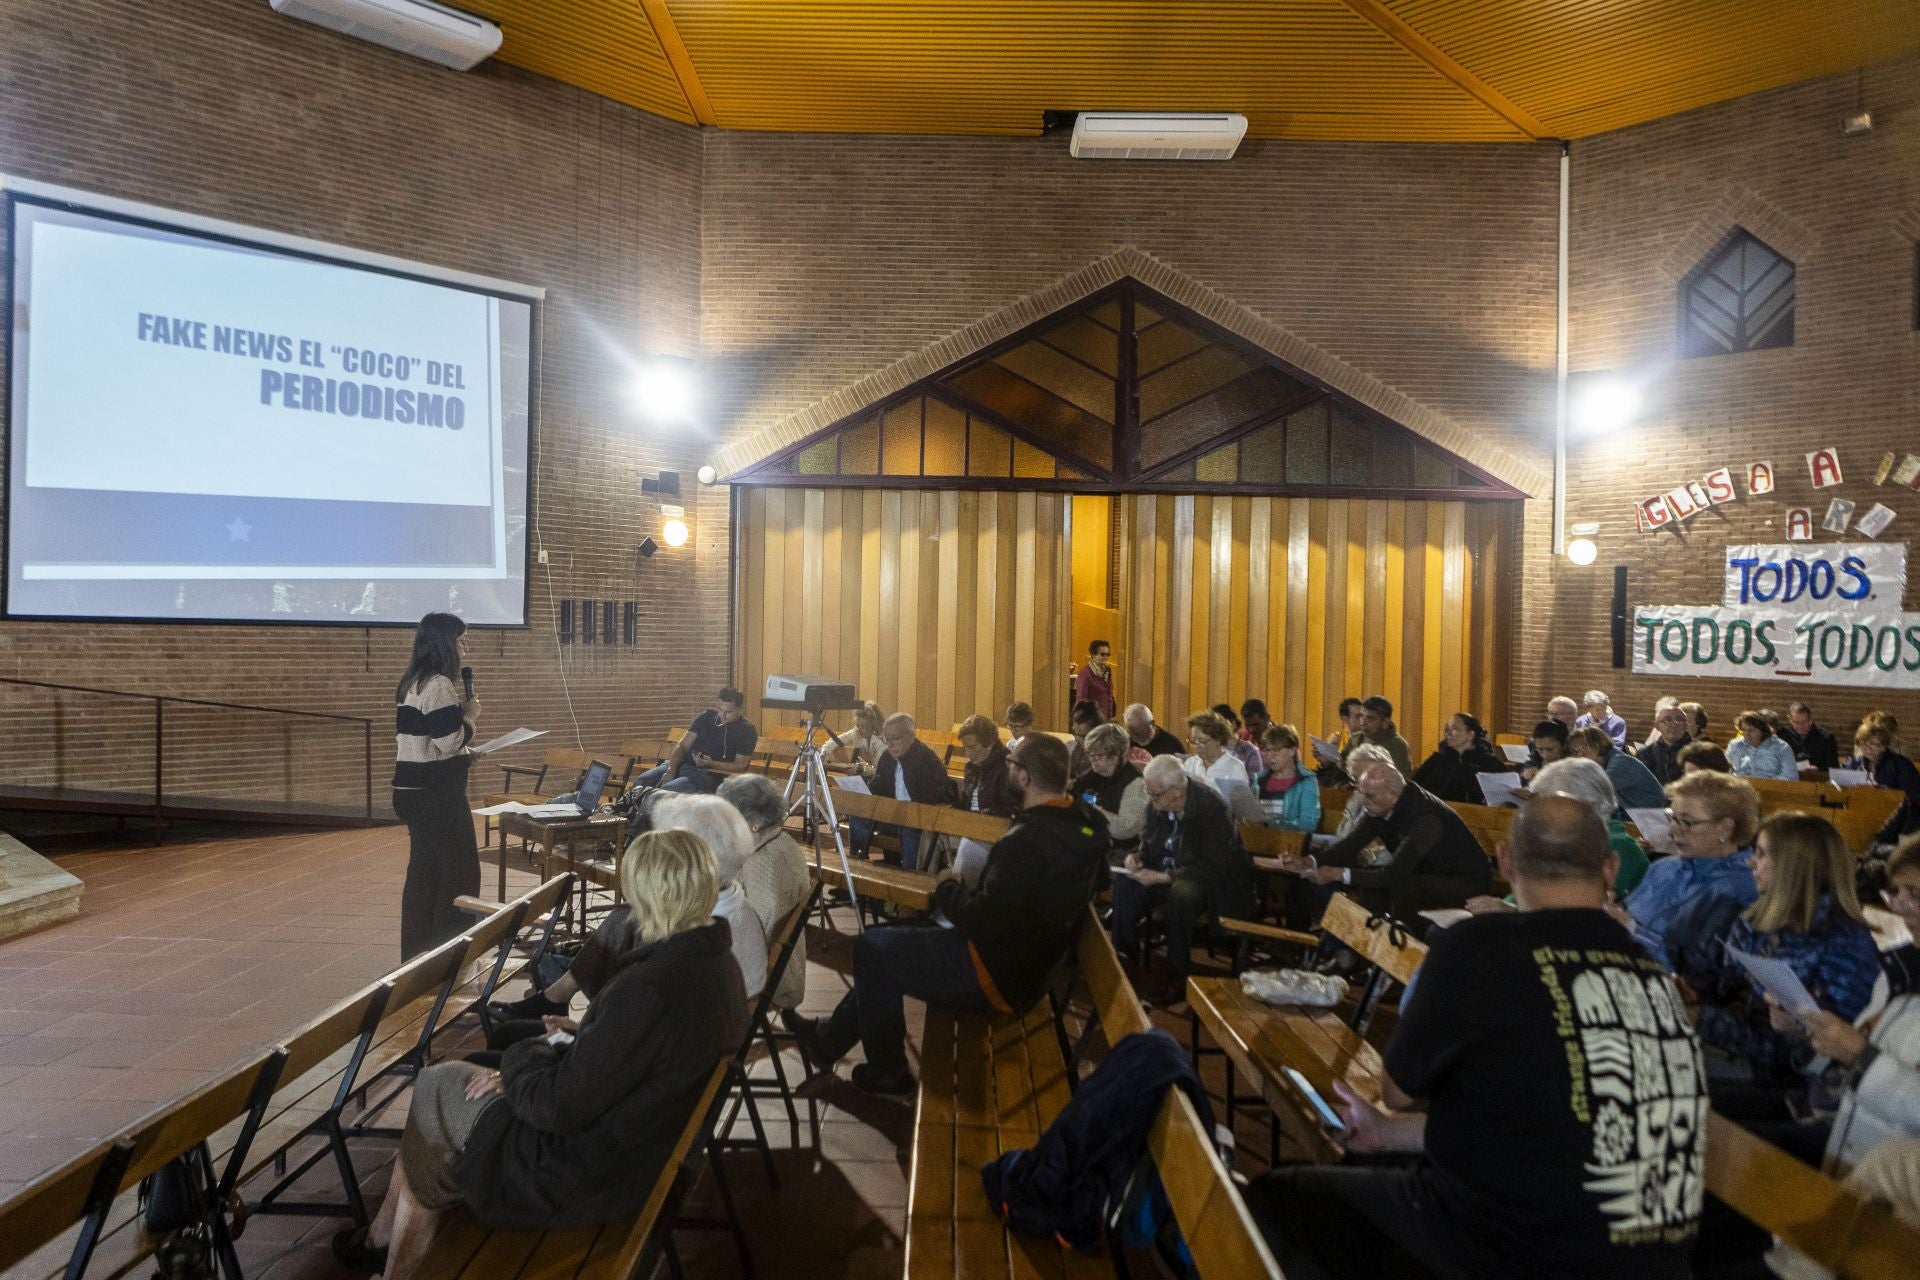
(1346, 70)
(1297, 68)
(607, 47)
(1589, 66)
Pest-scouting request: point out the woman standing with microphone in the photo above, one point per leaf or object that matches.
(433, 724)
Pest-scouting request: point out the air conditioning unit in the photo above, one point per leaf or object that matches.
(1157, 135)
(420, 28)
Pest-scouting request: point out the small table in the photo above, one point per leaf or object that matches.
(561, 837)
(1260, 1039)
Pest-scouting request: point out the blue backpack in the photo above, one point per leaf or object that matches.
(1090, 1169)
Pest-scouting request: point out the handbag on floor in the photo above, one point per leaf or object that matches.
(176, 1203)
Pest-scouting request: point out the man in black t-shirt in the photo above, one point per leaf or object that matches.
(1565, 1099)
(721, 734)
(1146, 738)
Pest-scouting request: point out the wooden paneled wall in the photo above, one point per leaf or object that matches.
(939, 603)
(1304, 601)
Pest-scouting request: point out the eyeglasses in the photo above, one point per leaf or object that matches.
(1679, 823)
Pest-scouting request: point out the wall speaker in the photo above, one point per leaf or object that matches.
(630, 623)
(1619, 615)
(566, 622)
(607, 616)
(586, 621)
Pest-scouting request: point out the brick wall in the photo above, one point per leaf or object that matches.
(1648, 203)
(223, 108)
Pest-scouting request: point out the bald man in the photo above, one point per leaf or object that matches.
(1564, 1098)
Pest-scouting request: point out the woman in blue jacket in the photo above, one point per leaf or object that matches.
(1288, 794)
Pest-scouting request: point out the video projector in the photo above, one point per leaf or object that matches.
(809, 693)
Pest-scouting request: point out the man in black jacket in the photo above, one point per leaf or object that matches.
(1662, 755)
(1007, 935)
(1190, 858)
(1435, 861)
(1810, 743)
(907, 770)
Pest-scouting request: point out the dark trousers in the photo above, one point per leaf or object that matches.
(443, 862)
(505, 1036)
(889, 965)
(862, 832)
(1331, 1222)
(689, 777)
(1186, 905)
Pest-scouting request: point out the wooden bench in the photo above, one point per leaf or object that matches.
(562, 762)
(466, 1249)
(992, 1085)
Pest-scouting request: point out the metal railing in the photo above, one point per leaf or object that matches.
(65, 798)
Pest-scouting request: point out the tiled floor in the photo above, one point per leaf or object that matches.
(190, 954)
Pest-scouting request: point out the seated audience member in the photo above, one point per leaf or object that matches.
(1364, 756)
(1148, 739)
(1377, 727)
(1241, 748)
(1545, 1147)
(1587, 782)
(1288, 794)
(1563, 711)
(1006, 938)
(864, 740)
(1698, 715)
(986, 787)
(909, 770)
(1690, 897)
(1547, 743)
(1082, 719)
(1901, 894)
(1757, 752)
(1435, 861)
(1670, 738)
(1094, 681)
(1597, 711)
(1636, 787)
(1190, 858)
(1212, 762)
(1254, 721)
(1813, 746)
(1113, 785)
(1702, 757)
(574, 1135)
(774, 876)
(1353, 724)
(721, 734)
(1019, 722)
(1805, 916)
(1659, 705)
(1874, 752)
(1464, 752)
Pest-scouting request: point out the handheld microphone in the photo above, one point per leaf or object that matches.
(466, 681)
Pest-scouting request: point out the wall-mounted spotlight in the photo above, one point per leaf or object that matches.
(1582, 549)
(673, 525)
(665, 390)
(1605, 405)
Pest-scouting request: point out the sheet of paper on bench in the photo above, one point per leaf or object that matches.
(512, 738)
(566, 810)
(1444, 917)
(1850, 777)
(1777, 979)
(1655, 831)
(853, 783)
(1498, 788)
(1323, 750)
(1516, 752)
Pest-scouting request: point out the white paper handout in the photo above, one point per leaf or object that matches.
(1850, 777)
(852, 782)
(1498, 788)
(1655, 831)
(1516, 752)
(1323, 750)
(1444, 917)
(1777, 979)
(512, 738)
(565, 809)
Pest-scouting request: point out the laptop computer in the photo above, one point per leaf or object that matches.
(582, 803)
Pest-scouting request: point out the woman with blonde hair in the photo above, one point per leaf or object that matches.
(1712, 819)
(573, 1130)
(1875, 750)
(1806, 916)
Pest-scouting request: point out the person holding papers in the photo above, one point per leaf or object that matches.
(1873, 747)
(433, 725)
(1213, 762)
(1465, 752)
(1807, 917)
(1759, 752)
(1711, 819)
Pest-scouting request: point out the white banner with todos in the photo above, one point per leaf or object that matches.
(1802, 577)
(1876, 649)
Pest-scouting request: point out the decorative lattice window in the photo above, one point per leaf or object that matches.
(1740, 298)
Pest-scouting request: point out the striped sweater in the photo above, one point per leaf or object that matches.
(430, 737)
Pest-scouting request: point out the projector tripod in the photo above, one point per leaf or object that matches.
(809, 778)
